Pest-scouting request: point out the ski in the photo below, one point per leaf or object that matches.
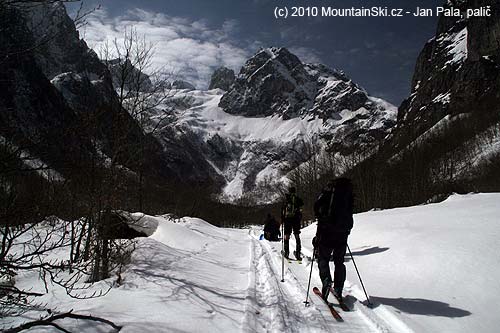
(334, 312)
(343, 306)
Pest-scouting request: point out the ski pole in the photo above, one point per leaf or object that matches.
(359, 276)
(310, 274)
(282, 251)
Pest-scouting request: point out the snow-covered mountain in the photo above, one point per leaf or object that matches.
(59, 104)
(275, 82)
(447, 137)
(455, 93)
(276, 115)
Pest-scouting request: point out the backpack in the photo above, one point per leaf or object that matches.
(290, 206)
(335, 208)
(324, 208)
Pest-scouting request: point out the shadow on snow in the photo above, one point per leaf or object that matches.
(421, 306)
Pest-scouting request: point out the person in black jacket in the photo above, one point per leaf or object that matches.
(271, 229)
(333, 209)
(291, 215)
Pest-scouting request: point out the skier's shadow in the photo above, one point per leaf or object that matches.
(421, 306)
(364, 252)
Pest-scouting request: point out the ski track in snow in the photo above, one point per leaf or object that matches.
(190, 276)
(292, 315)
(278, 305)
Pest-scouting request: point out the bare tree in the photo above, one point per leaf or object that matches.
(143, 89)
(29, 192)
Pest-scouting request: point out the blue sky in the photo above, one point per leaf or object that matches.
(193, 37)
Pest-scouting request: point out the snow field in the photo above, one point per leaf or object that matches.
(196, 283)
(436, 266)
(429, 268)
(259, 137)
(360, 319)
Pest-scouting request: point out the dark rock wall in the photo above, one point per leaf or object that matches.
(222, 78)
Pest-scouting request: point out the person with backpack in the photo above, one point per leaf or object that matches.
(333, 210)
(291, 215)
(271, 229)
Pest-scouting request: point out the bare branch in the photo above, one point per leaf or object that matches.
(49, 321)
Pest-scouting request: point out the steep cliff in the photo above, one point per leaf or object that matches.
(447, 137)
(59, 107)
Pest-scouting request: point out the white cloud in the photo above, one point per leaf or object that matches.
(191, 50)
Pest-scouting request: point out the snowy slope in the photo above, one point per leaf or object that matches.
(436, 266)
(432, 268)
(248, 152)
(190, 276)
(275, 113)
(179, 281)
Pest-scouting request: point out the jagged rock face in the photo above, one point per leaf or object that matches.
(58, 99)
(276, 83)
(485, 33)
(457, 72)
(278, 114)
(125, 74)
(222, 78)
(32, 112)
(61, 49)
(181, 84)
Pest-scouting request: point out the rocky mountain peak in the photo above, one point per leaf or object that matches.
(222, 78)
(181, 84)
(60, 48)
(123, 71)
(277, 58)
(274, 82)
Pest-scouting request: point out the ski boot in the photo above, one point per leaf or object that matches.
(337, 292)
(325, 290)
(297, 255)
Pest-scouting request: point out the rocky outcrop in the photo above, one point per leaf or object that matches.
(58, 100)
(125, 74)
(59, 47)
(457, 72)
(222, 78)
(447, 137)
(275, 82)
(181, 84)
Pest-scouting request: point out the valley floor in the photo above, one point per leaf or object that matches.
(430, 268)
